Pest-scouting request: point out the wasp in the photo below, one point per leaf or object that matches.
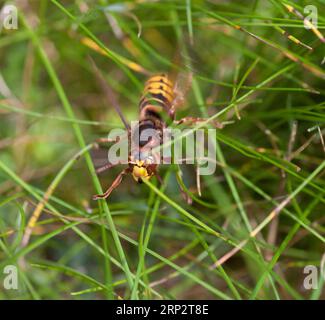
(157, 107)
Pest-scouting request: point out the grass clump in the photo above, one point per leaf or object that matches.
(260, 218)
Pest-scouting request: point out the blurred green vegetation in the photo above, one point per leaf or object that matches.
(147, 243)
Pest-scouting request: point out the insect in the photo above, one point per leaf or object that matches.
(157, 107)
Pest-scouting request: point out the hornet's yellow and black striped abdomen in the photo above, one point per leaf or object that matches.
(157, 98)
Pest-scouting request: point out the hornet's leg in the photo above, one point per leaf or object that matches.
(198, 180)
(108, 140)
(193, 120)
(114, 185)
(185, 196)
(116, 139)
(106, 167)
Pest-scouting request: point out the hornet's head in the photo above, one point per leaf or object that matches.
(143, 169)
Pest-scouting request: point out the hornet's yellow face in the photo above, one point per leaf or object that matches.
(140, 171)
